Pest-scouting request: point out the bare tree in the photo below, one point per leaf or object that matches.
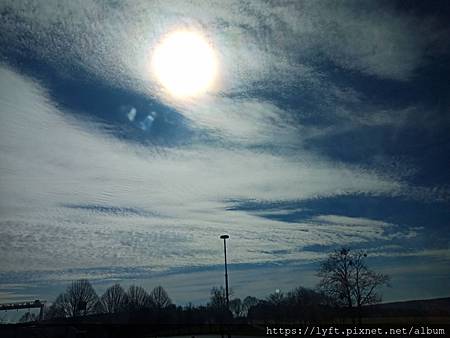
(218, 300)
(80, 299)
(306, 304)
(57, 309)
(3, 319)
(138, 298)
(276, 298)
(236, 307)
(159, 298)
(217, 305)
(28, 317)
(348, 281)
(248, 302)
(114, 299)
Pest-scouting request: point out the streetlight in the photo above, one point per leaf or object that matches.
(225, 237)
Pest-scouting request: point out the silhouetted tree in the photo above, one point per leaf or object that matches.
(271, 309)
(3, 318)
(276, 298)
(218, 299)
(236, 307)
(159, 298)
(57, 309)
(27, 317)
(115, 299)
(306, 305)
(347, 280)
(79, 299)
(247, 303)
(276, 305)
(195, 315)
(138, 299)
(217, 305)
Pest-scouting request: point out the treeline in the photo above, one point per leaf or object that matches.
(80, 300)
(345, 285)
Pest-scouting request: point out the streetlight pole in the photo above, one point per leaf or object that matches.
(225, 237)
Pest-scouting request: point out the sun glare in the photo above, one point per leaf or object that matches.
(185, 64)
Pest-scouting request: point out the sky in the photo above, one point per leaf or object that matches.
(328, 126)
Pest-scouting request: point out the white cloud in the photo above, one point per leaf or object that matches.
(260, 46)
(375, 40)
(256, 41)
(358, 229)
(55, 168)
(51, 161)
(351, 220)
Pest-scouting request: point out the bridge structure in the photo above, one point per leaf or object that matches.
(25, 305)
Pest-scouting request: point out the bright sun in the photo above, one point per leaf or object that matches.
(185, 64)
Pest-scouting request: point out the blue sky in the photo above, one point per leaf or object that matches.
(329, 127)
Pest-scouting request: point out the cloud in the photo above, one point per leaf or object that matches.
(261, 46)
(257, 41)
(351, 220)
(366, 37)
(74, 196)
(359, 229)
(98, 201)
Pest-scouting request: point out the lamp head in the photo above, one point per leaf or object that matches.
(224, 236)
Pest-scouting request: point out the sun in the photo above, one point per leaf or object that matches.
(185, 64)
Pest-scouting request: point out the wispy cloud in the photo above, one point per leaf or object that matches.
(261, 45)
(74, 196)
(98, 201)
